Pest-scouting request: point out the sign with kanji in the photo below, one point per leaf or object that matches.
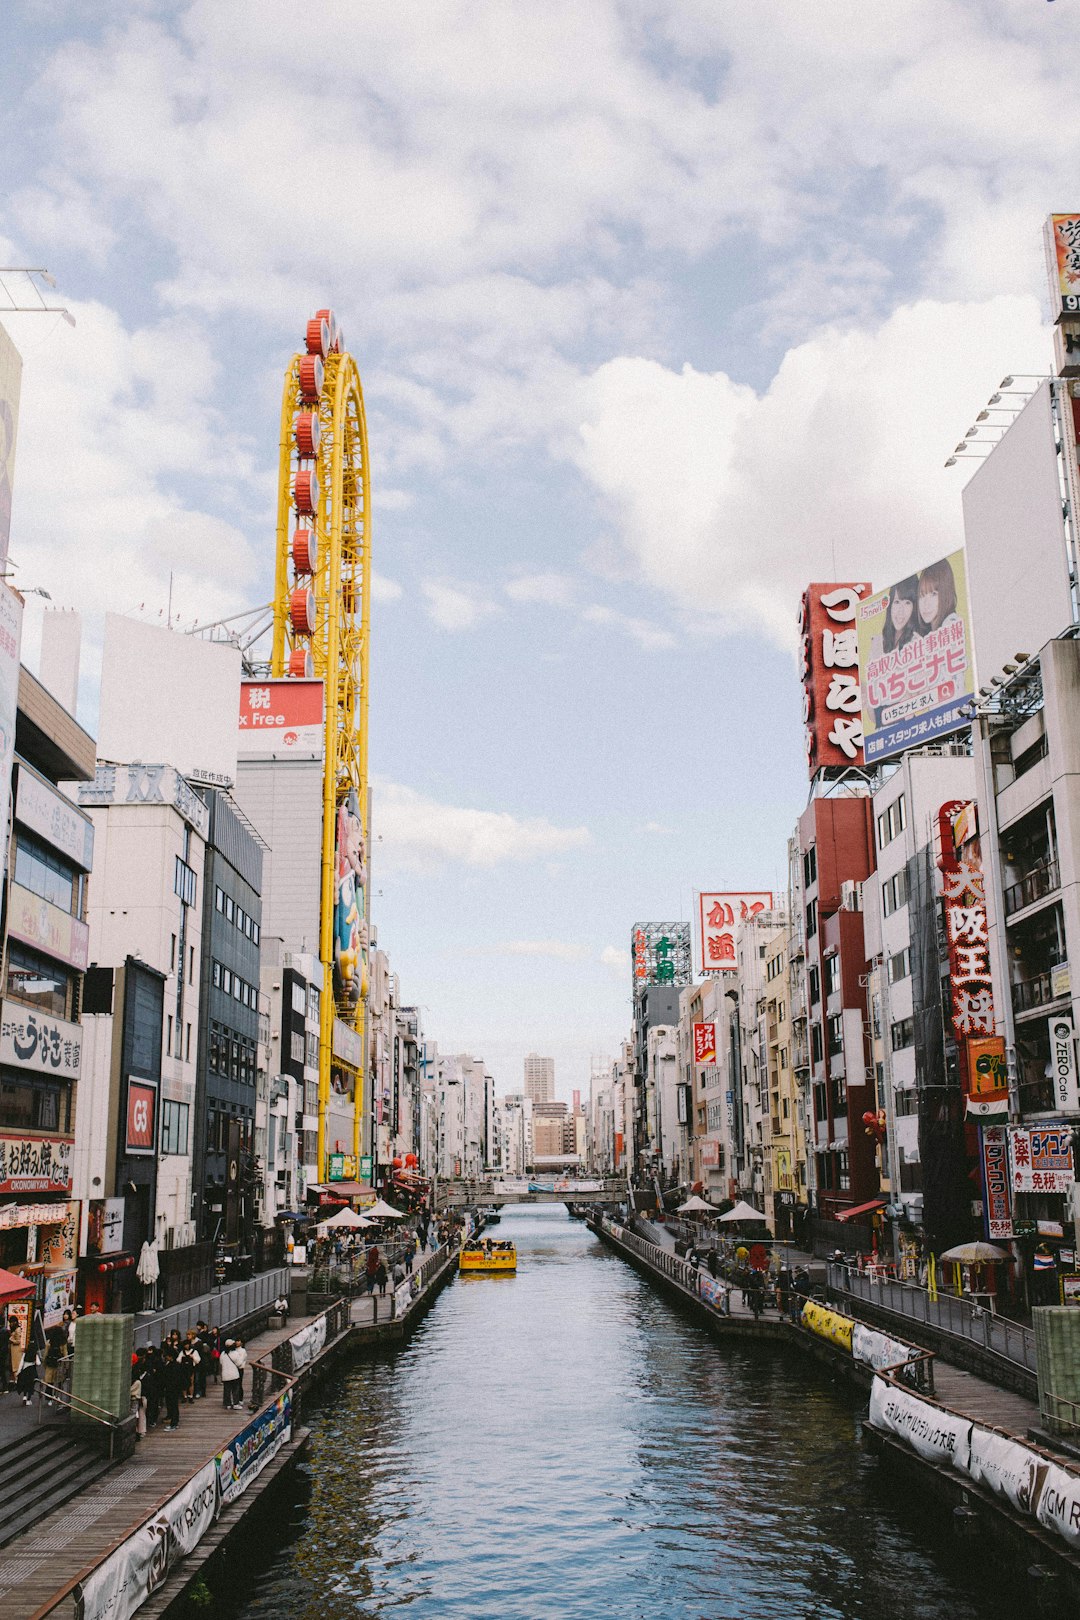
(31, 1040)
(719, 918)
(281, 719)
(1041, 1158)
(704, 1043)
(660, 954)
(832, 704)
(997, 1197)
(35, 1164)
(1062, 240)
(982, 1056)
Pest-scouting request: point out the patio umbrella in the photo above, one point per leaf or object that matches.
(967, 1254)
(13, 1287)
(743, 1212)
(382, 1211)
(148, 1270)
(345, 1219)
(695, 1205)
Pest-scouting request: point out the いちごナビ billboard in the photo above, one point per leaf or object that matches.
(916, 660)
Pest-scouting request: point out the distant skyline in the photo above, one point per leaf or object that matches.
(654, 327)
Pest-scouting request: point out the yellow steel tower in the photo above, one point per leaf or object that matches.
(322, 602)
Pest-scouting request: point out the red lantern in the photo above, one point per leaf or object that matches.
(311, 378)
(399, 1163)
(410, 1160)
(301, 664)
(318, 336)
(306, 433)
(305, 551)
(306, 492)
(302, 612)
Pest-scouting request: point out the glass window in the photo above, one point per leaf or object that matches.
(255, 932)
(814, 978)
(174, 1128)
(809, 866)
(33, 1104)
(902, 1034)
(832, 973)
(226, 981)
(313, 1003)
(34, 981)
(230, 908)
(216, 975)
(44, 873)
(900, 965)
(219, 899)
(811, 919)
(836, 1035)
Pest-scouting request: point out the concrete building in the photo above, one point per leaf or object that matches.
(539, 1078)
(785, 1142)
(513, 1153)
(706, 1072)
(749, 1065)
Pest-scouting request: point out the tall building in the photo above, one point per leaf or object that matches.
(539, 1078)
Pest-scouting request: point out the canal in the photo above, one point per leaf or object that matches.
(565, 1443)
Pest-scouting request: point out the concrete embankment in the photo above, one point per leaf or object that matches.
(973, 1450)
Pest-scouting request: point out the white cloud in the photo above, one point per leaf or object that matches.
(558, 950)
(658, 828)
(730, 501)
(419, 833)
(552, 590)
(612, 957)
(455, 606)
(647, 635)
(385, 590)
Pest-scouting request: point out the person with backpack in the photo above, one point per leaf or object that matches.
(232, 1383)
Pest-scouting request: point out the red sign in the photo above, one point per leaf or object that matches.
(832, 700)
(719, 916)
(141, 1117)
(997, 1200)
(967, 935)
(704, 1043)
(35, 1164)
(281, 717)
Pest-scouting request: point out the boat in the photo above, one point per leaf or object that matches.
(487, 1256)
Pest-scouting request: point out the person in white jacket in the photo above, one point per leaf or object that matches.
(231, 1369)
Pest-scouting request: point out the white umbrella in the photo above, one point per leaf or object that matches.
(693, 1204)
(968, 1254)
(743, 1212)
(382, 1211)
(148, 1270)
(346, 1219)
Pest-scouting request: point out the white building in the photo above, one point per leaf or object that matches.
(539, 1078)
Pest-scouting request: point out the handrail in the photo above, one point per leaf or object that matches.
(948, 1314)
(75, 1403)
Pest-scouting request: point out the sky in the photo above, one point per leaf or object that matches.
(662, 308)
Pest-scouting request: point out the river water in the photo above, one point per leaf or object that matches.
(565, 1443)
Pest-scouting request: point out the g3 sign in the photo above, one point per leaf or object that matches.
(141, 1117)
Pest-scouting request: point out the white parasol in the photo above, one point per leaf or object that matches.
(345, 1220)
(382, 1211)
(697, 1205)
(743, 1212)
(148, 1270)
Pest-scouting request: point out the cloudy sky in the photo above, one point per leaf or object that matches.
(662, 307)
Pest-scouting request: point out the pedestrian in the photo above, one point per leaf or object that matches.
(5, 1354)
(239, 1356)
(55, 1356)
(153, 1386)
(712, 1264)
(28, 1371)
(173, 1377)
(783, 1288)
(138, 1400)
(371, 1267)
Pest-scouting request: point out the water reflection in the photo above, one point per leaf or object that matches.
(564, 1443)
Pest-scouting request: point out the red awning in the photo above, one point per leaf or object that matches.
(861, 1209)
(12, 1286)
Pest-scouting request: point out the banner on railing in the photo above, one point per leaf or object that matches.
(143, 1563)
(307, 1344)
(878, 1350)
(828, 1324)
(249, 1452)
(937, 1435)
(1007, 1468)
(712, 1291)
(1058, 1506)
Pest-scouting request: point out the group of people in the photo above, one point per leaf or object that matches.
(178, 1371)
(50, 1361)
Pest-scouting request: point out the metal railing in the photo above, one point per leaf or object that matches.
(1037, 991)
(1034, 885)
(680, 1271)
(1060, 1415)
(947, 1313)
(60, 1396)
(226, 1305)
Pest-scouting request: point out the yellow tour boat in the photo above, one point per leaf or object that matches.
(488, 1256)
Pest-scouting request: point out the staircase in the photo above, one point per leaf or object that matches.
(42, 1470)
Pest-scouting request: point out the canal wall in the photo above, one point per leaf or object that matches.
(1005, 1492)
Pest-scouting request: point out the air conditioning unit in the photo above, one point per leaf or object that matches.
(851, 896)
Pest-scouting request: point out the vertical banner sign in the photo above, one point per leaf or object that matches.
(916, 666)
(704, 1043)
(10, 640)
(832, 705)
(997, 1196)
(981, 1059)
(1063, 1066)
(1062, 241)
(718, 917)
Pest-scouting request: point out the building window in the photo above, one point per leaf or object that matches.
(46, 875)
(313, 1003)
(836, 1035)
(900, 965)
(168, 1035)
(219, 899)
(296, 1046)
(187, 1043)
(313, 1051)
(832, 973)
(843, 1172)
(34, 1105)
(809, 866)
(894, 893)
(255, 932)
(230, 908)
(817, 1050)
(902, 1034)
(172, 952)
(814, 980)
(821, 1103)
(216, 975)
(174, 1128)
(185, 883)
(34, 981)
(891, 822)
(811, 919)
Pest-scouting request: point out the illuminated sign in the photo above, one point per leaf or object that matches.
(719, 915)
(704, 1043)
(832, 706)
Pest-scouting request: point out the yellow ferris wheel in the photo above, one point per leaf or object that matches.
(322, 604)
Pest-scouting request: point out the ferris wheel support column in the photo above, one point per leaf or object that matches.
(284, 509)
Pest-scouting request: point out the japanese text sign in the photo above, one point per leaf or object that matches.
(31, 1040)
(141, 1117)
(1063, 1066)
(660, 953)
(916, 665)
(281, 717)
(1062, 240)
(1041, 1158)
(719, 917)
(832, 707)
(972, 993)
(704, 1043)
(35, 1164)
(57, 933)
(997, 1197)
(55, 819)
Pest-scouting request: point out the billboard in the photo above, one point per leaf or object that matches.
(916, 659)
(660, 953)
(10, 383)
(982, 1052)
(141, 1134)
(1041, 1158)
(281, 719)
(832, 707)
(719, 916)
(1061, 238)
(350, 901)
(704, 1043)
(997, 1191)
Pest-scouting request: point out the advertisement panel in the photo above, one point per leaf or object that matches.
(878, 1350)
(30, 1040)
(248, 1453)
(709, 1153)
(1061, 238)
(997, 1192)
(350, 900)
(937, 1435)
(141, 1565)
(105, 1226)
(1041, 1158)
(54, 819)
(704, 1043)
(981, 1052)
(828, 1324)
(35, 1164)
(660, 953)
(832, 706)
(916, 659)
(141, 1136)
(54, 932)
(1006, 1468)
(718, 918)
(281, 719)
(11, 610)
(987, 1077)
(1063, 1066)
(147, 784)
